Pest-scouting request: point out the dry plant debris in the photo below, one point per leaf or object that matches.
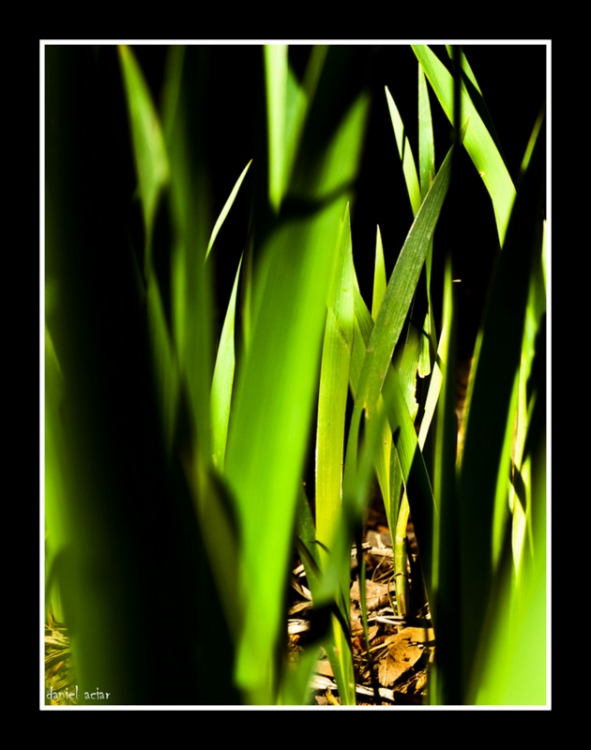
(400, 650)
(60, 679)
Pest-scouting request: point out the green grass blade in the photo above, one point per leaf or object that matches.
(406, 155)
(444, 599)
(400, 291)
(426, 175)
(380, 281)
(153, 175)
(384, 457)
(148, 143)
(412, 467)
(276, 69)
(426, 140)
(301, 99)
(226, 209)
(406, 361)
(326, 586)
(484, 473)
(404, 460)
(192, 326)
(479, 143)
(275, 395)
(55, 450)
(362, 334)
(476, 94)
(223, 381)
(334, 386)
(191, 284)
(400, 549)
(332, 402)
(515, 630)
(270, 426)
(298, 100)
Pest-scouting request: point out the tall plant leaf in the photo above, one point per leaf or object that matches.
(400, 291)
(478, 142)
(484, 473)
(332, 402)
(150, 154)
(274, 397)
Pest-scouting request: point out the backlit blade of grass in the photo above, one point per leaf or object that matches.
(275, 395)
(332, 402)
(426, 140)
(406, 364)
(334, 386)
(476, 94)
(149, 150)
(270, 424)
(192, 322)
(534, 378)
(405, 460)
(276, 72)
(484, 473)
(383, 340)
(191, 285)
(406, 156)
(478, 142)
(514, 628)
(288, 105)
(226, 209)
(331, 606)
(359, 469)
(153, 175)
(444, 599)
(299, 98)
(410, 360)
(223, 381)
(183, 360)
(413, 471)
(520, 500)
(55, 452)
(400, 291)
(426, 177)
(515, 624)
(384, 456)
(380, 281)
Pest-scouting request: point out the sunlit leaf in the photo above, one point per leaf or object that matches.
(478, 141)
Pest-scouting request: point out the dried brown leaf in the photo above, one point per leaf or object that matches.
(401, 657)
(376, 593)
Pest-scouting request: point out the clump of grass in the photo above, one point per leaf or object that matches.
(236, 409)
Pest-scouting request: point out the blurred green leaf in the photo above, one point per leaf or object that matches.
(274, 398)
(276, 71)
(484, 473)
(150, 154)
